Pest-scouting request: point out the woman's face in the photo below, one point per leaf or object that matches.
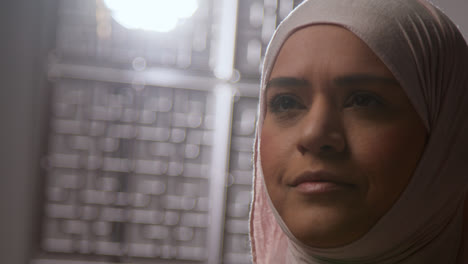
(340, 139)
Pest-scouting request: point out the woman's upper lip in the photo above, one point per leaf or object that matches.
(317, 176)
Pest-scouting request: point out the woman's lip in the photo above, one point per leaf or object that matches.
(318, 181)
(315, 176)
(320, 187)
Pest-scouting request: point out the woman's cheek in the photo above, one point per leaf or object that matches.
(274, 162)
(389, 157)
(268, 152)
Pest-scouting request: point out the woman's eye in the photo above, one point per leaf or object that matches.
(363, 100)
(284, 103)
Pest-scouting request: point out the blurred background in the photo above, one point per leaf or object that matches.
(127, 127)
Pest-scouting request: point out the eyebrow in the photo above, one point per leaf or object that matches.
(287, 82)
(364, 79)
(347, 80)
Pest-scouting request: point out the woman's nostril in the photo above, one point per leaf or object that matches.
(326, 148)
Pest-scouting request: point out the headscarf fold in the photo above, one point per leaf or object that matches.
(429, 57)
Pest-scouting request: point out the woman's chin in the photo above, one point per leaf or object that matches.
(326, 227)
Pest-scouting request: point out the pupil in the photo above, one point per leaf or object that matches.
(361, 100)
(287, 103)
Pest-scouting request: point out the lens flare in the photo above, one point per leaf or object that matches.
(153, 15)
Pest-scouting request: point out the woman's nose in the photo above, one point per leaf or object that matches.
(321, 130)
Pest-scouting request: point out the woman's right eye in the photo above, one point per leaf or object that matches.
(283, 103)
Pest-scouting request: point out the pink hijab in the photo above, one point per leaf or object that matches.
(429, 57)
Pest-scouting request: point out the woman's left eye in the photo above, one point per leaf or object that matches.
(363, 100)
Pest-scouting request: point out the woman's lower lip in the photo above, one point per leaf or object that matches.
(319, 187)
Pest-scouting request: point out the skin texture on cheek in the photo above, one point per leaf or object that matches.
(268, 139)
(390, 168)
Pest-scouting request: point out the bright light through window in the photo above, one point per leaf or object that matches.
(155, 15)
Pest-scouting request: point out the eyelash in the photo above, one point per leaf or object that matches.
(363, 99)
(283, 103)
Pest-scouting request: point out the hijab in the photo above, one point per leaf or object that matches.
(429, 57)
